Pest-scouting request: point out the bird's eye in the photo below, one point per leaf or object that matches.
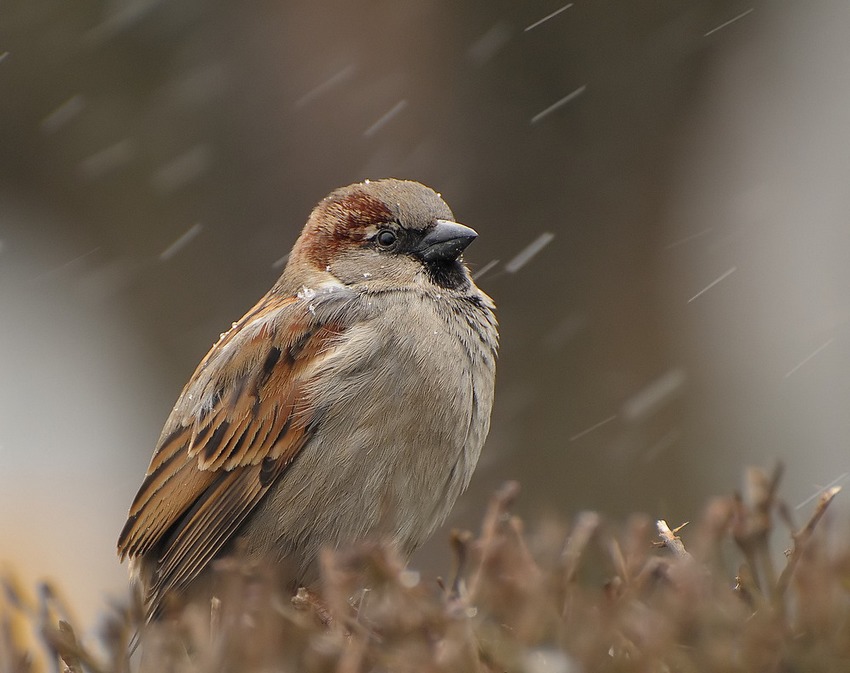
(386, 238)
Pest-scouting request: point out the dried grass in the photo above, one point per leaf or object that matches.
(588, 597)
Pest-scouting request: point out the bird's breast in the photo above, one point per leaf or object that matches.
(405, 400)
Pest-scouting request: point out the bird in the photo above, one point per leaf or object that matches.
(351, 403)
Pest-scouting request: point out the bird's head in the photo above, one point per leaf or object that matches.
(382, 234)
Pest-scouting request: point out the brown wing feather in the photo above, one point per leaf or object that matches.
(238, 423)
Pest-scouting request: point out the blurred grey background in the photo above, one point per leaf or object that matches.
(660, 189)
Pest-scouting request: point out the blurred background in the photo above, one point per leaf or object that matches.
(660, 189)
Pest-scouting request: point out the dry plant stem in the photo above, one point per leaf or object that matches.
(743, 539)
(763, 507)
(673, 615)
(215, 617)
(800, 540)
(332, 609)
(13, 656)
(59, 635)
(619, 560)
(71, 661)
(586, 526)
(63, 642)
(460, 541)
(353, 656)
(713, 529)
(51, 599)
(516, 537)
(754, 523)
(671, 541)
(497, 512)
(308, 600)
(746, 588)
(786, 516)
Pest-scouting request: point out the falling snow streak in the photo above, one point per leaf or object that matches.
(107, 160)
(488, 45)
(378, 125)
(809, 357)
(123, 16)
(670, 438)
(729, 22)
(566, 99)
(654, 396)
(63, 114)
(713, 283)
(183, 169)
(592, 428)
(834, 482)
(484, 269)
(688, 239)
(180, 243)
(4, 56)
(325, 86)
(547, 17)
(279, 262)
(70, 266)
(526, 254)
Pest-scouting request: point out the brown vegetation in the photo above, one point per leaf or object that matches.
(591, 598)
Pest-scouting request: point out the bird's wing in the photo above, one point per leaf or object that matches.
(240, 421)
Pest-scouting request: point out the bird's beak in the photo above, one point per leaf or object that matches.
(444, 242)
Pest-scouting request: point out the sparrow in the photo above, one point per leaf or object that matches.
(349, 404)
